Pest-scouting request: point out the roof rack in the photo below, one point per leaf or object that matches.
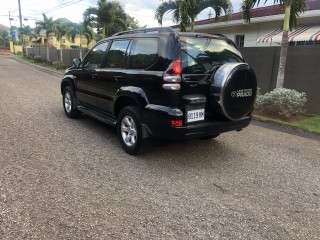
(145, 30)
(219, 34)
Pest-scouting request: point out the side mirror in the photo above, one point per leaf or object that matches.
(76, 62)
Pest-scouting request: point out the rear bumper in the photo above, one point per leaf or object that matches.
(158, 120)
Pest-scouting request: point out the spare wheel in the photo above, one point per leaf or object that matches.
(233, 90)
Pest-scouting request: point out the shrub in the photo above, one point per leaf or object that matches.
(59, 65)
(30, 56)
(19, 53)
(281, 102)
(38, 59)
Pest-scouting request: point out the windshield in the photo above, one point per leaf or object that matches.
(203, 55)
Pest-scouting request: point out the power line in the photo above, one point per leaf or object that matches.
(57, 7)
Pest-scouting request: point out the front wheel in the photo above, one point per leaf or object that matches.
(129, 129)
(68, 104)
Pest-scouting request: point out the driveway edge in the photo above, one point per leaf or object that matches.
(37, 66)
(285, 130)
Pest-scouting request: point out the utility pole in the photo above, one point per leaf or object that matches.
(21, 35)
(14, 51)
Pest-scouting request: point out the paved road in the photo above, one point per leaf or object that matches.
(69, 179)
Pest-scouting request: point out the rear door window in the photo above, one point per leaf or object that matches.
(144, 53)
(117, 53)
(201, 55)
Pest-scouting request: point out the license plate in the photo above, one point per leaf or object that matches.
(195, 115)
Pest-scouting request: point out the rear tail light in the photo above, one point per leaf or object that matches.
(172, 76)
(176, 123)
(177, 69)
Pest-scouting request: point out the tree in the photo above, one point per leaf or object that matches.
(132, 23)
(186, 11)
(49, 26)
(292, 9)
(4, 35)
(81, 29)
(26, 31)
(108, 17)
(61, 29)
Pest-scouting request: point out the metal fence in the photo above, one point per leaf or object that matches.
(54, 54)
(302, 70)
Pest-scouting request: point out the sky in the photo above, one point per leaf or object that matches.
(31, 11)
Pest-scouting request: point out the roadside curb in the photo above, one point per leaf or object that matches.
(37, 66)
(285, 129)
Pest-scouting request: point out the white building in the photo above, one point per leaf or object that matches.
(265, 28)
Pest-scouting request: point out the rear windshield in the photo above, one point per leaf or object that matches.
(203, 55)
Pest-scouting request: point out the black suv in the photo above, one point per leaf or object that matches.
(162, 83)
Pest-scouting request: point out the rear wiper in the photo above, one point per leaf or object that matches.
(214, 68)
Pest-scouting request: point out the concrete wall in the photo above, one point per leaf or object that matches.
(302, 70)
(54, 54)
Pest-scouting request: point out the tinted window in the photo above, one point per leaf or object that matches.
(201, 55)
(144, 53)
(94, 58)
(117, 53)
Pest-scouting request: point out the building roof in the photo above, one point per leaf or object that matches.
(260, 12)
(4, 27)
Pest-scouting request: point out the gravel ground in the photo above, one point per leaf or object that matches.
(69, 179)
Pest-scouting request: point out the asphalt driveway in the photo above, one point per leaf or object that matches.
(69, 179)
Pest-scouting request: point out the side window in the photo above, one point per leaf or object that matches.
(117, 53)
(94, 59)
(144, 53)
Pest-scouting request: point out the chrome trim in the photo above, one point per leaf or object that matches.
(174, 78)
(171, 86)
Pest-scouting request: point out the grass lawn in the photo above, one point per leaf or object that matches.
(308, 123)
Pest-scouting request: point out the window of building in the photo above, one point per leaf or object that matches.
(83, 41)
(144, 53)
(51, 41)
(117, 53)
(94, 59)
(239, 40)
(63, 40)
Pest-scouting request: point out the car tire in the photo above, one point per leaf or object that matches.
(68, 104)
(129, 129)
(209, 137)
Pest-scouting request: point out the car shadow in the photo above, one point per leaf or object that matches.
(168, 153)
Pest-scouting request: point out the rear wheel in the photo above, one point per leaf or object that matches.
(129, 129)
(68, 104)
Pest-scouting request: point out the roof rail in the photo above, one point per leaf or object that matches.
(145, 30)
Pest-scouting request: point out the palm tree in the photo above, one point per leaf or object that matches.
(81, 29)
(292, 9)
(106, 17)
(49, 26)
(26, 31)
(186, 11)
(61, 29)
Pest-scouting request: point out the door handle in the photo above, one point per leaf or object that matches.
(117, 78)
(94, 75)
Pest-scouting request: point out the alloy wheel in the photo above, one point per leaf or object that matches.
(128, 131)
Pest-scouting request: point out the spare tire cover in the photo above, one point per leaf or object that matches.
(233, 90)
